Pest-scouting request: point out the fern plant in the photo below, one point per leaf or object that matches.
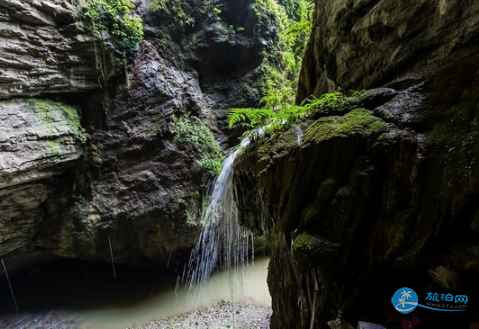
(249, 117)
(284, 116)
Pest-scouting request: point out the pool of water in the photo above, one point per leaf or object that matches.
(82, 294)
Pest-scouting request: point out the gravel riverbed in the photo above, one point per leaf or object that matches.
(40, 320)
(218, 316)
(221, 315)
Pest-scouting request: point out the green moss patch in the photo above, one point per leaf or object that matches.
(303, 242)
(117, 18)
(50, 112)
(358, 121)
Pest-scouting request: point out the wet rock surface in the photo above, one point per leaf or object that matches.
(380, 192)
(40, 142)
(369, 43)
(135, 186)
(127, 181)
(222, 46)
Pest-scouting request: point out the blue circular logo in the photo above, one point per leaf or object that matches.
(404, 300)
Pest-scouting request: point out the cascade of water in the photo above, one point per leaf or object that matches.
(223, 241)
(299, 134)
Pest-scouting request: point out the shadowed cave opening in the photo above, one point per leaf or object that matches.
(81, 285)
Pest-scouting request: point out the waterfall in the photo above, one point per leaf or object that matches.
(299, 134)
(223, 241)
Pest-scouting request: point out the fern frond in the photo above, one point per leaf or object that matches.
(250, 117)
(331, 100)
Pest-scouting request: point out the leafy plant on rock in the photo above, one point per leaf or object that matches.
(285, 116)
(114, 20)
(193, 133)
(185, 12)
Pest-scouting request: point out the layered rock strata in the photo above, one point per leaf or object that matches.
(45, 49)
(111, 170)
(40, 141)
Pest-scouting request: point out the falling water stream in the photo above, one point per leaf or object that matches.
(223, 242)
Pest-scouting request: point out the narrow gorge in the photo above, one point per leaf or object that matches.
(364, 178)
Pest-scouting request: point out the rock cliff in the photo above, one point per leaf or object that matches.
(40, 141)
(366, 198)
(82, 164)
(46, 49)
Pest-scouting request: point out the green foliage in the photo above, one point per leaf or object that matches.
(116, 18)
(250, 117)
(192, 132)
(286, 115)
(303, 242)
(281, 67)
(177, 8)
(185, 11)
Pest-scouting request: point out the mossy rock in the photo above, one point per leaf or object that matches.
(310, 249)
(50, 112)
(358, 121)
(303, 243)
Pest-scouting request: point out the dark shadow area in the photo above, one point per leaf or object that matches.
(80, 285)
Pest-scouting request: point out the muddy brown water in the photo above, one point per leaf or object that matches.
(74, 294)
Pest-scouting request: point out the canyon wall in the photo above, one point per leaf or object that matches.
(88, 155)
(378, 193)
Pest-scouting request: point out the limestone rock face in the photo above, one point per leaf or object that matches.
(369, 197)
(135, 185)
(127, 180)
(45, 49)
(40, 141)
(366, 44)
(222, 45)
